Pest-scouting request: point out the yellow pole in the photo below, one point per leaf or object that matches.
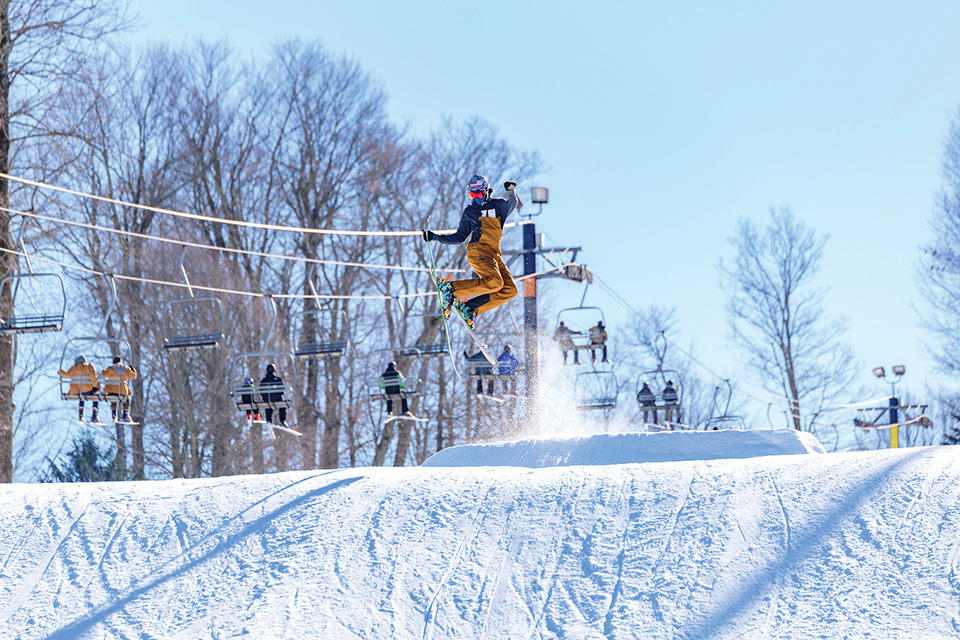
(895, 437)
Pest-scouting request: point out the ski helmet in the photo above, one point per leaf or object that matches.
(271, 368)
(248, 380)
(478, 185)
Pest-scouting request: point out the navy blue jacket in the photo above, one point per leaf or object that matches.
(470, 226)
(275, 396)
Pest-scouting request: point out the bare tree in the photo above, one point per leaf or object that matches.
(941, 278)
(42, 44)
(776, 315)
(645, 340)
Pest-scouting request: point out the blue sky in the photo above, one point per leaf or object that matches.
(664, 123)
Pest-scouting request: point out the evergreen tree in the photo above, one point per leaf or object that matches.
(84, 463)
(952, 433)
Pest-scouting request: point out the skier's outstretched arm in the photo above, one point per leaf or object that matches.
(464, 231)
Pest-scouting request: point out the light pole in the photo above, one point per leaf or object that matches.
(898, 371)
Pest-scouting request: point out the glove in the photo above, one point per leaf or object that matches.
(427, 235)
(509, 185)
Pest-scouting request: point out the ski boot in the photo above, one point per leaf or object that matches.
(81, 414)
(94, 417)
(446, 294)
(113, 415)
(468, 313)
(125, 417)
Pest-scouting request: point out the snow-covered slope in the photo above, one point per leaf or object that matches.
(623, 448)
(777, 546)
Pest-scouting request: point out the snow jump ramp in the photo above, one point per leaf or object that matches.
(781, 544)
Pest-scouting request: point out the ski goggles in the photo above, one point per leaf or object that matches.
(478, 195)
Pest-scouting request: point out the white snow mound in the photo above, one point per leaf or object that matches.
(626, 448)
(813, 547)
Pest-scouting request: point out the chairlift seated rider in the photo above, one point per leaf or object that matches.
(247, 399)
(391, 384)
(274, 395)
(671, 401)
(82, 377)
(598, 340)
(508, 365)
(479, 366)
(564, 337)
(115, 378)
(648, 403)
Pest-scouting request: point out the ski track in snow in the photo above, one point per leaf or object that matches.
(823, 546)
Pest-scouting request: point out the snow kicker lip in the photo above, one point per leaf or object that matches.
(628, 448)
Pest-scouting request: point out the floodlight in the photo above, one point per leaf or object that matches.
(879, 372)
(539, 195)
(899, 369)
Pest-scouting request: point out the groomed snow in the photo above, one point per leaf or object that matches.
(856, 545)
(623, 448)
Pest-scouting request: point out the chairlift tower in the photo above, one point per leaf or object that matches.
(569, 270)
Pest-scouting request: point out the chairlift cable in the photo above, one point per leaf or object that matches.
(196, 245)
(236, 223)
(181, 285)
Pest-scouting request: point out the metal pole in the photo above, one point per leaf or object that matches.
(894, 419)
(531, 338)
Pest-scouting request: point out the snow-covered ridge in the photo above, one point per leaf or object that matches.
(625, 448)
(856, 545)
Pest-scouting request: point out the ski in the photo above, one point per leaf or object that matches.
(443, 316)
(285, 429)
(483, 348)
(484, 396)
(407, 416)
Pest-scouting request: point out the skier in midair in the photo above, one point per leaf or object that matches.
(482, 222)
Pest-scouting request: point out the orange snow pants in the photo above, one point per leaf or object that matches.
(493, 285)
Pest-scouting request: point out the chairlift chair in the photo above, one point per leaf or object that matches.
(193, 323)
(725, 420)
(658, 379)
(596, 390)
(410, 390)
(329, 321)
(39, 299)
(251, 364)
(97, 349)
(429, 314)
(40, 316)
(259, 395)
(199, 323)
(109, 346)
(579, 321)
(480, 371)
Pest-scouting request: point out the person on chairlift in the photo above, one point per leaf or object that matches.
(508, 365)
(82, 377)
(648, 403)
(247, 398)
(564, 337)
(671, 401)
(391, 384)
(115, 378)
(598, 340)
(274, 396)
